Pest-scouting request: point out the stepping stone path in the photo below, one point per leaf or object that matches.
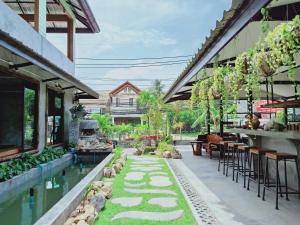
(153, 216)
(160, 181)
(145, 172)
(136, 176)
(134, 185)
(127, 202)
(164, 202)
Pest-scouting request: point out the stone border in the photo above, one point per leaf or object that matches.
(61, 211)
(27, 179)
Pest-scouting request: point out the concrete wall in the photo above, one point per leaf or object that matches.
(42, 115)
(68, 103)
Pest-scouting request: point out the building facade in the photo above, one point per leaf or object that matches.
(120, 103)
(37, 83)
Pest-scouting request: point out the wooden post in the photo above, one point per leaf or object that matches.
(221, 118)
(70, 39)
(208, 117)
(286, 119)
(37, 15)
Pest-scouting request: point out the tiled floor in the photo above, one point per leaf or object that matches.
(243, 206)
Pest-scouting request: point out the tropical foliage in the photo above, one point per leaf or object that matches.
(26, 162)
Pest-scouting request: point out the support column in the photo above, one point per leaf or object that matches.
(40, 16)
(221, 118)
(70, 41)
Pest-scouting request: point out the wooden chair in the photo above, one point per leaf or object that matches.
(213, 143)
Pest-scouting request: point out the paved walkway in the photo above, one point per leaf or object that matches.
(229, 201)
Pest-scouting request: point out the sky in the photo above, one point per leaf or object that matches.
(135, 29)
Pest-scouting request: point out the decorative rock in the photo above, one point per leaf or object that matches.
(135, 176)
(153, 216)
(163, 202)
(127, 202)
(69, 221)
(149, 191)
(122, 162)
(139, 152)
(108, 184)
(98, 201)
(113, 172)
(160, 181)
(176, 155)
(107, 191)
(107, 172)
(116, 168)
(98, 183)
(82, 222)
(134, 185)
(119, 165)
(167, 154)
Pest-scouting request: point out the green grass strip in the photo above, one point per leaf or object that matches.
(111, 210)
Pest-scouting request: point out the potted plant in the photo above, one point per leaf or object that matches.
(78, 111)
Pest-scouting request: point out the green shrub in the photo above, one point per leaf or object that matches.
(164, 146)
(149, 149)
(26, 162)
(118, 151)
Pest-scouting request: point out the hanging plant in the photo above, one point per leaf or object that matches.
(284, 43)
(218, 84)
(195, 93)
(263, 63)
(264, 23)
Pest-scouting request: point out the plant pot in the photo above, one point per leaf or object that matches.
(262, 64)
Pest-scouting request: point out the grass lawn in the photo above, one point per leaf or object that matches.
(111, 209)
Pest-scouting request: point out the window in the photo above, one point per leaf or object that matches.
(117, 102)
(130, 101)
(30, 99)
(55, 118)
(18, 114)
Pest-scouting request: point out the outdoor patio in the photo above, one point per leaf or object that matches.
(229, 201)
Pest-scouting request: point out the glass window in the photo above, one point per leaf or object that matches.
(29, 118)
(55, 118)
(117, 102)
(130, 101)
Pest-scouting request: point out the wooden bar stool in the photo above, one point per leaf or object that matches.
(243, 157)
(223, 153)
(277, 157)
(259, 174)
(232, 148)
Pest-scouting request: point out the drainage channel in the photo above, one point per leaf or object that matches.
(202, 210)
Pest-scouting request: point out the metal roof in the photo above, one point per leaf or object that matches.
(85, 21)
(226, 28)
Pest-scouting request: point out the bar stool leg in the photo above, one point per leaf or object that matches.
(250, 167)
(246, 156)
(266, 176)
(224, 159)
(298, 175)
(277, 180)
(227, 161)
(285, 180)
(233, 162)
(258, 176)
(220, 158)
(238, 165)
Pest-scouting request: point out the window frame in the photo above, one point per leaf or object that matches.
(61, 94)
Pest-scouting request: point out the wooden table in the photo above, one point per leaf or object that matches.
(197, 147)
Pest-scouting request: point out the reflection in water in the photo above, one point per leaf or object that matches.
(27, 207)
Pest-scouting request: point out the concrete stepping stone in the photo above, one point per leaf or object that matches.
(135, 176)
(160, 181)
(149, 191)
(127, 201)
(152, 216)
(140, 158)
(134, 185)
(145, 163)
(145, 169)
(164, 202)
(158, 173)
